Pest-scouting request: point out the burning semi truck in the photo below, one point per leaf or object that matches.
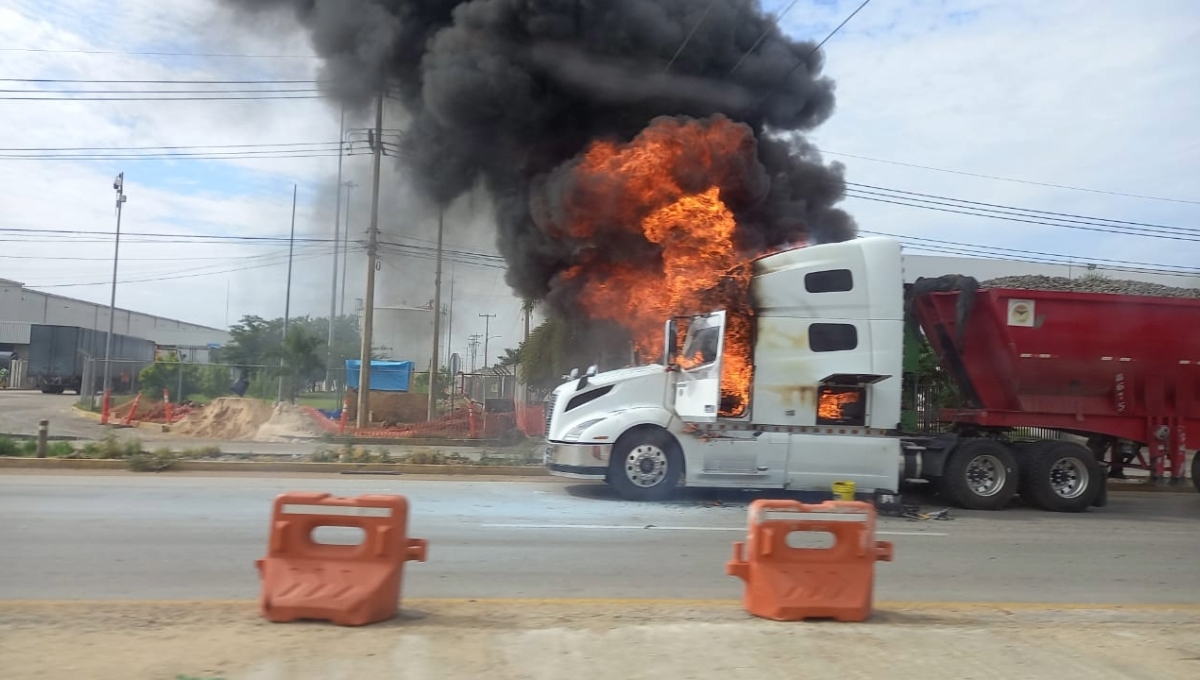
(805, 389)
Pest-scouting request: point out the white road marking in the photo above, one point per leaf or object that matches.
(654, 527)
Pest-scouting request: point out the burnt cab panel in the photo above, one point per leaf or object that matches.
(829, 311)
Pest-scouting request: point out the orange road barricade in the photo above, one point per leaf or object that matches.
(787, 583)
(350, 585)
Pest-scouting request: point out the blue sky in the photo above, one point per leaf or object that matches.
(1097, 95)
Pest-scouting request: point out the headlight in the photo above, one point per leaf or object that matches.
(577, 431)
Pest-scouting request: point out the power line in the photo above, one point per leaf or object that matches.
(1015, 217)
(212, 155)
(173, 237)
(1026, 210)
(255, 90)
(1011, 179)
(801, 62)
(167, 148)
(1070, 259)
(266, 258)
(762, 37)
(160, 54)
(968, 252)
(156, 279)
(688, 38)
(159, 99)
(168, 81)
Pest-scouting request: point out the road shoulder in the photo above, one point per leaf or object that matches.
(602, 639)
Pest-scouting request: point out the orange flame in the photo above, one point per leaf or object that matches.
(699, 268)
(829, 406)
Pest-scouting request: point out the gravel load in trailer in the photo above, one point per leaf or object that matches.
(1091, 284)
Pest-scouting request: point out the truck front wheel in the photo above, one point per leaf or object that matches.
(645, 465)
(981, 474)
(1062, 477)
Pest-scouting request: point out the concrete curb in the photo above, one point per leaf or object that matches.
(279, 466)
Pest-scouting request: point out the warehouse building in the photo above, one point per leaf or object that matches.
(21, 309)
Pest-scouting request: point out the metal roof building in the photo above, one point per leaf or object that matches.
(21, 308)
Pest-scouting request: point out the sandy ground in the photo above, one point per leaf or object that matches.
(452, 640)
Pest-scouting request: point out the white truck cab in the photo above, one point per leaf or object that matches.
(827, 354)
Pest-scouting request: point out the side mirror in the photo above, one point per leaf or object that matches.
(573, 374)
(670, 341)
(593, 370)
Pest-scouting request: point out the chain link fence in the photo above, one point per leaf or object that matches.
(182, 382)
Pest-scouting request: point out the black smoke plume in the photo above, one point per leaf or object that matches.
(504, 92)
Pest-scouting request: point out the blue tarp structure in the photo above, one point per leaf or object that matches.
(386, 376)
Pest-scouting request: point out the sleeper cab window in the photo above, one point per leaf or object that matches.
(829, 281)
(832, 337)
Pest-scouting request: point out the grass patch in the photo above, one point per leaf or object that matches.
(8, 447)
(58, 449)
(156, 461)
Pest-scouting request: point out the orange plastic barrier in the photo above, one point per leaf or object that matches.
(790, 584)
(350, 585)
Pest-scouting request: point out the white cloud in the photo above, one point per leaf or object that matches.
(1091, 94)
(1096, 95)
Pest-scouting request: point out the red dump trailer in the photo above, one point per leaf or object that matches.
(1121, 370)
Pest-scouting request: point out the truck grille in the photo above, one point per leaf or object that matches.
(550, 411)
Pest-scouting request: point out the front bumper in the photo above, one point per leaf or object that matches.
(577, 461)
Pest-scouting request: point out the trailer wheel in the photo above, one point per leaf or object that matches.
(981, 474)
(1062, 477)
(645, 465)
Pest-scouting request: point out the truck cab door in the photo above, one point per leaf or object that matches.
(698, 387)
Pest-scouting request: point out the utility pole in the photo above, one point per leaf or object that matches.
(473, 345)
(527, 307)
(119, 187)
(345, 246)
(487, 321)
(364, 372)
(287, 304)
(437, 318)
(450, 318)
(333, 293)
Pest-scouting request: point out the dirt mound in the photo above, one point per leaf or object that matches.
(287, 422)
(227, 418)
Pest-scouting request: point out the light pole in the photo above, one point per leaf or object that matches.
(337, 216)
(346, 246)
(487, 320)
(119, 187)
(287, 305)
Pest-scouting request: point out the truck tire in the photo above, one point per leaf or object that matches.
(981, 474)
(1196, 470)
(1025, 454)
(645, 465)
(1062, 477)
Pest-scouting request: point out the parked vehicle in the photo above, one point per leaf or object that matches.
(57, 356)
(825, 393)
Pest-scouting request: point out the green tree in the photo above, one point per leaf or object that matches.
(252, 340)
(303, 355)
(511, 357)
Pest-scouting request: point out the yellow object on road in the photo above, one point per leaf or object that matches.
(844, 491)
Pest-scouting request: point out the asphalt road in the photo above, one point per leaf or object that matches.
(20, 411)
(196, 537)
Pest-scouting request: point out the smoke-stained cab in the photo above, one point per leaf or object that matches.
(823, 388)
